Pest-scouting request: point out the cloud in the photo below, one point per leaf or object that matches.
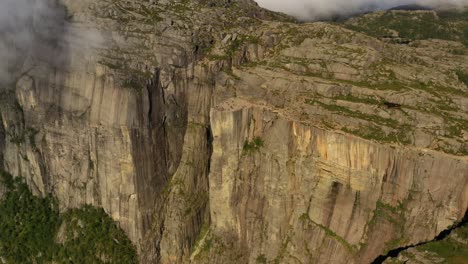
(323, 9)
(34, 32)
(25, 26)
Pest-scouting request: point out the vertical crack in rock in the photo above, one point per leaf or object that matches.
(156, 100)
(185, 197)
(442, 235)
(2, 140)
(149, 152)
(209, 140)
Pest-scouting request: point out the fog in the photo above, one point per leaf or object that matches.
(34, 32)
(25, 25)
(324, 9)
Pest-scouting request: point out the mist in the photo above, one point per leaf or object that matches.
(29, 33)
(310, 10)
(39, 32)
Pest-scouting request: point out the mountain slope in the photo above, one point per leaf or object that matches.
(223, 133)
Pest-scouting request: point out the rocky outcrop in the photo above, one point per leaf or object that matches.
(221, 133)
(315, 196)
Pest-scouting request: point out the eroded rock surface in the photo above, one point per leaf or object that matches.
(218, 132)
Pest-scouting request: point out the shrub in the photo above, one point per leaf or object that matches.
(29, 227)
(251, 146)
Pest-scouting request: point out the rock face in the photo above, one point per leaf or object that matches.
(222, 133)
(318, 196)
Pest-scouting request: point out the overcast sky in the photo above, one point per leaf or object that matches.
(317, 9)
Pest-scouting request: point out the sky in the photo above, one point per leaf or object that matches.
(321, 9)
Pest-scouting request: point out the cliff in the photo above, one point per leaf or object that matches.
(218, 132)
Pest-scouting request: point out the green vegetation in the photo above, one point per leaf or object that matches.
(132, 78)
(376, 133)
(231, 73)
(364, 100)
(462, 76)
(393, 215)
(201, 234)
(20, 138)
(254, 145)
(204, 242)
(306, 219)
(27, 224)
(371, 132)
(33, 231)
(93, 237)
(234, 46)
(447, 25)
(207, 245)
(452, 250)
(261, 259)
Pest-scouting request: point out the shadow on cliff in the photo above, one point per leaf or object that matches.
(444, 234)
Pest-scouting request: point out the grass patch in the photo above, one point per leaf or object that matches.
(201, 234)
(376, 133)
(305, 218)
(254, 145)
(234, 46)
(393, 215)
(453, 251)
(363, 100)
(353, 113)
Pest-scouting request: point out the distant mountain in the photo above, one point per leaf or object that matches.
(412, 7)
(438, 24)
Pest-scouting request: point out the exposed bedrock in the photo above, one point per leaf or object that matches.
(308, 195)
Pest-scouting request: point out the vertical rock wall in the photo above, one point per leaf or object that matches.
(319, 196)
